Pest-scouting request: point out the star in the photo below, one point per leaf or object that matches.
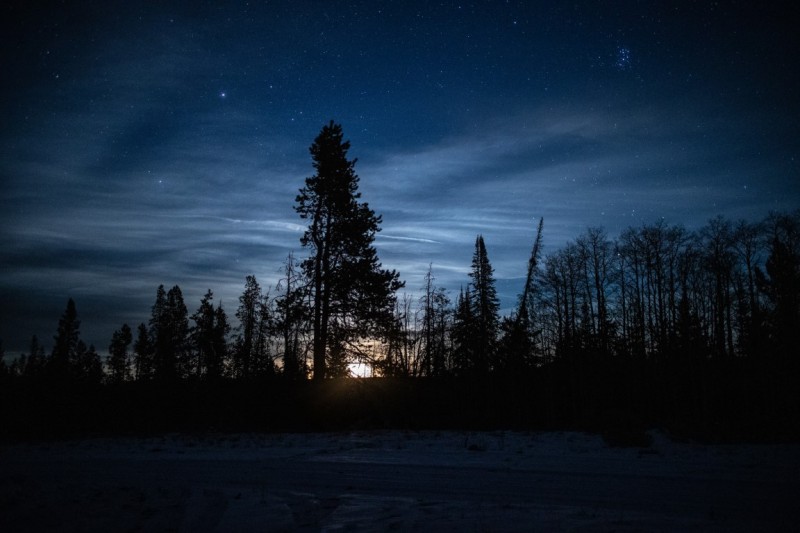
(496, 123)
(623, 60)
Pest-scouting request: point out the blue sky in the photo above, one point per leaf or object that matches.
(165, 144)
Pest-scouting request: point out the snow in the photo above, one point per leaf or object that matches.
(376, 481)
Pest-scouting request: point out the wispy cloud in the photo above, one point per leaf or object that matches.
(123, 166)
(407, 239)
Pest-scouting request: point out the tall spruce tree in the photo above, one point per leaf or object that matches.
(143, 354)
(169, 330)
(178, 322)
(203, 334)
(158, 331)
(263, 363)
(118, 361)
(485, 308)
(353, 297)
(35, 363)
(463, 333)
(65, 351)
(88, 367)
(248, 313)
(215, 362)
(209, 339)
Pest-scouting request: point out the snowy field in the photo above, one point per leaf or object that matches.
(378, 481)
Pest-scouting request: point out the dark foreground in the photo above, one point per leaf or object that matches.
(376, 481)
(710, 401)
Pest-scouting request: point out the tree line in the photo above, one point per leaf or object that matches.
(659, 291)
(658, 306)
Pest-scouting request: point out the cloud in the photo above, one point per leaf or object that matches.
(407, 239)
(128, 170)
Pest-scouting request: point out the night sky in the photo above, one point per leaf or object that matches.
(166, 143)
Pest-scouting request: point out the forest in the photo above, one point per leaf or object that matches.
(690, 330)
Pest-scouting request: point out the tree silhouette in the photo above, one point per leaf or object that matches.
(215, 359)
(518, 342)
(428, 321)
(435, 304)
(291, 318)
(597, 255)
(34, 364)
(209, 339)
(464, 333)
(169, 329)
(159, 334)
(88, 366)
(203, 333)
(246, 351)
(143, 363)
(750, 313)
(118, 361)
(263, 363)
(781, 282)
(485, 309)
(67, 339)
(661, 325)
(353, 297)
(718, 235)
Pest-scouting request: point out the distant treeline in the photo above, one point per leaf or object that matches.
(657, 292)
(695, 330)
(660, 325)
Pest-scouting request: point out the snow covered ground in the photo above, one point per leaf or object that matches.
(377, 481)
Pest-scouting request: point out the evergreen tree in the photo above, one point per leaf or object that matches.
(88, 367)
(515, 347)
(33, 364)
(203, 334)
(144, 367)
(249, 318)
(215, 362)
(353, 297)
(65, 350)
(441, 325)
(209, 339)
(463, 333)
(337, 364)
(485, 308)
(169, 328)
(157, 333)
(178, 326)
(118, 361)
(262, 361)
